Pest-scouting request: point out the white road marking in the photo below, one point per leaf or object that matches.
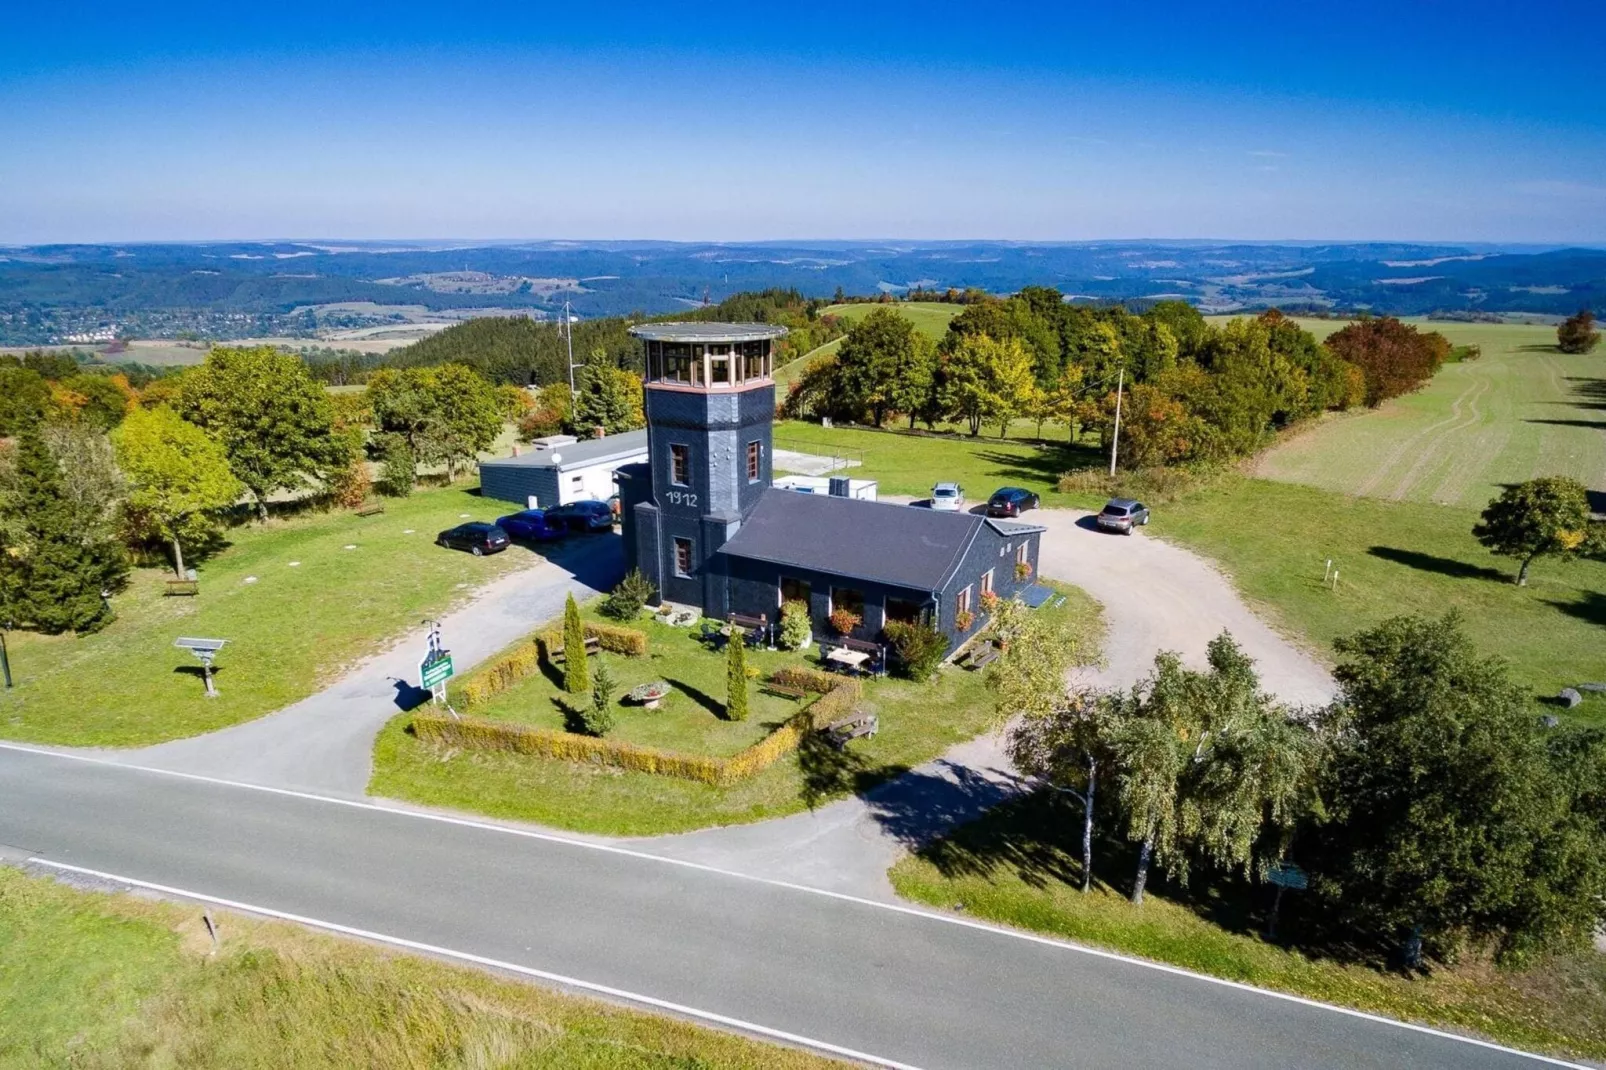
(899, 908)
(496, 964)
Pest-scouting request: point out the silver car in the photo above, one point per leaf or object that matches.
(1123, 514)
(948, 497)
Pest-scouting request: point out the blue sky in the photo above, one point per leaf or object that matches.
(1431, 121)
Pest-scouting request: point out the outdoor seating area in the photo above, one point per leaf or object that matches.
(978, 657)
(854, 656)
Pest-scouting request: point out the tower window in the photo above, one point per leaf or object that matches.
(755, 452)
(683, 557)
(679, 464)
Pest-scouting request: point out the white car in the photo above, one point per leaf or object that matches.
(949, 497)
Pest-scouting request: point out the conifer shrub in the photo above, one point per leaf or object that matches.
(576, 670)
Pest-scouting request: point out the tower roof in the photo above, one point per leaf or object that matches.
(707, 332)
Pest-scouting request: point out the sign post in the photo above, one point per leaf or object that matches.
(436, 668)
(1284, 875)
(206, 650)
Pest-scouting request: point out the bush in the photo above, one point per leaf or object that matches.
(796, 626)
(1149, 485)
(1577, 334)
(1023, 570)
(920, 647)
(624, 602)
(348, 488)
(806, 679)
(398, 468)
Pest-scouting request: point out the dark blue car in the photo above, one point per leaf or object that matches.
(532, 525)
(582, 516)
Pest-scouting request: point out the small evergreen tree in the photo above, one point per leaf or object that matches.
(624, 602)
(598, 717)
(1577, 334)
(54, 572)
(736, 676)
(576, 672)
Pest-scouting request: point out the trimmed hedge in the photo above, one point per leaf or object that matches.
(809, 679)
(478, 733)
(610, 637)
(494, 677)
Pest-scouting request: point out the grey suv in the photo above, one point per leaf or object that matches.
(1123, 514)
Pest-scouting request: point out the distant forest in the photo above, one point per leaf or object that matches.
(525, 352)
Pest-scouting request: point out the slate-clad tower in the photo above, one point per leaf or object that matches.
(710, 404)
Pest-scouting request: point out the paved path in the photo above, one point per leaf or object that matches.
(1156, 597)
(324, 743)
(894, 983)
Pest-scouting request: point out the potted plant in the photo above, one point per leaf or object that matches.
(989, 602)
(1023, 570)
(845, 620)
(964, 619)
(650, 696)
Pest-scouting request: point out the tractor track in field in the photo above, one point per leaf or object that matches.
(1429, 452)
(1394, 455)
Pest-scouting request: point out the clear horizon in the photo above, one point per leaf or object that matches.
(1402, 123)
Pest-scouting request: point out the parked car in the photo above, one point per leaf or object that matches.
(949, 497)
(1123, 514)
(1011, 501)
(477, 537)
(582, 516)
(532, 524)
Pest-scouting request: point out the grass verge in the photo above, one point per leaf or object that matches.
(1019, 866)
(368, 577)
(96, 980)
(1275, 539)
(918, 722)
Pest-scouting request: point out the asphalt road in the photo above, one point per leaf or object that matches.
(893, 982)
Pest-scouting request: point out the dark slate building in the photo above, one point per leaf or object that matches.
(703, 523)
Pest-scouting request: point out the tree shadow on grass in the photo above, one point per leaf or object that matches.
(699, 696)
(1444, 566)
(1598, 425)
(1589, 607)
(1040, 466)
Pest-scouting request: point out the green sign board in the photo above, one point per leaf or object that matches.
(436, 671)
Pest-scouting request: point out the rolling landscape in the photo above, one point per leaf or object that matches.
(1057, 538)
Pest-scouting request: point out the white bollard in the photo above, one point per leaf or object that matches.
(1327, 570)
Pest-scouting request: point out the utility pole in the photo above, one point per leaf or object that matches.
(5, 655)
(1115, 439)
(568, 335)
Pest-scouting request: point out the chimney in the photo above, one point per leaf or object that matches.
(515, 449)
(599, 432)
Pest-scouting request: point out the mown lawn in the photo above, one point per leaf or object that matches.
(930, 316)
(298, 599)
(918, 722)
(910, 463)
(95, 980)
(1275, 539)
(1020, 865)
(690, 720)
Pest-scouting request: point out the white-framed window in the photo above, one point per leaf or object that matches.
(986, 583)
(962, 602)
(755, 461)
(1020, 555)
(679, 464)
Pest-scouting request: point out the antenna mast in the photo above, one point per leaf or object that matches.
(568, 337)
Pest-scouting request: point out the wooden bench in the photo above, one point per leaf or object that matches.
(756, 629)
(593, 646)
(981, 657)
(371, 509)
(840, 733)
(185, 588)
(783, 690)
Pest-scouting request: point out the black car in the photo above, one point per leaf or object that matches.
(582, 516)
(1011, 501)
(478, 538)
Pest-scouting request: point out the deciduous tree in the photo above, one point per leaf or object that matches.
(272, 418)
(1577, 333)
(1545, 516)
(179, 479)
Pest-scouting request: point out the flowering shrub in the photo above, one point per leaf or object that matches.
(1023, 570)
(964, 619)
(845, 620)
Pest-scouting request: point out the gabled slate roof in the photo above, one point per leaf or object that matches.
(895, 545)
(576, 454)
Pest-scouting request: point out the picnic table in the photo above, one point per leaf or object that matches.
(848, 659)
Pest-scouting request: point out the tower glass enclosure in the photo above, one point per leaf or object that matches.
(710, 404)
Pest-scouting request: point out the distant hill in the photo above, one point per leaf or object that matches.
(50, 293)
